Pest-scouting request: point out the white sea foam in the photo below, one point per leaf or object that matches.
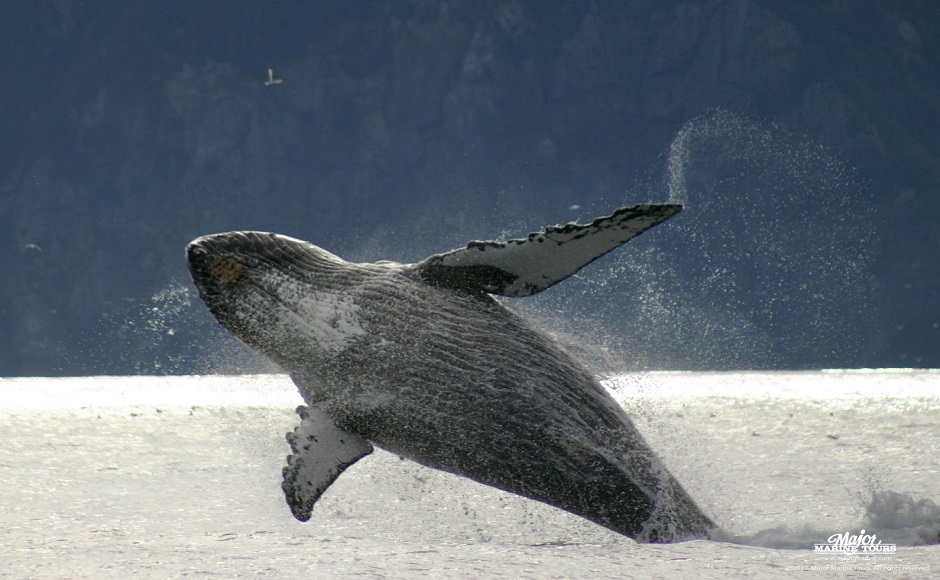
(826, 430)
(891, 519)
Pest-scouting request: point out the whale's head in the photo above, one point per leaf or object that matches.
(285, 298)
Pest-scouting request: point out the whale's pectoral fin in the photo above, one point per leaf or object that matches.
(527, 266)
(322, 451)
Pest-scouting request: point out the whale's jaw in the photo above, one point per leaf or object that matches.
(272, 292)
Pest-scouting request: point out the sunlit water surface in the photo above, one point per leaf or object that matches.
(108, 477)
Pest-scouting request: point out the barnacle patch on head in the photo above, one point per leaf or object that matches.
(227, 269)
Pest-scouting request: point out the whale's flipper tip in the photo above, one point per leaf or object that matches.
(321, 452)
(526, 266)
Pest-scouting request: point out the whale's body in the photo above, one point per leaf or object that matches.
(422, 361)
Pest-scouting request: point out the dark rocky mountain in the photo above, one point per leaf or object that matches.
(800, 135)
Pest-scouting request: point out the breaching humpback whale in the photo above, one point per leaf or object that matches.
(420, 360)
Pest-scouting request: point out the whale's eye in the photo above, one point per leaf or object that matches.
(228, 270)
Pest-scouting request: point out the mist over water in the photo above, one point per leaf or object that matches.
(172, 333)
(775, 247)
(766, 267)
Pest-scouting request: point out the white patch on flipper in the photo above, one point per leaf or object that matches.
(523, 267)
(322, 451)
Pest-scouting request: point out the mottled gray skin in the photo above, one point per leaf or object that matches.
(445, 377)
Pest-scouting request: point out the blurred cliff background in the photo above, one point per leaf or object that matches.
(801, 135)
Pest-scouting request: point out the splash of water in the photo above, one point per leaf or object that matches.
(767, 267)
(891, 517)
(169, 333)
